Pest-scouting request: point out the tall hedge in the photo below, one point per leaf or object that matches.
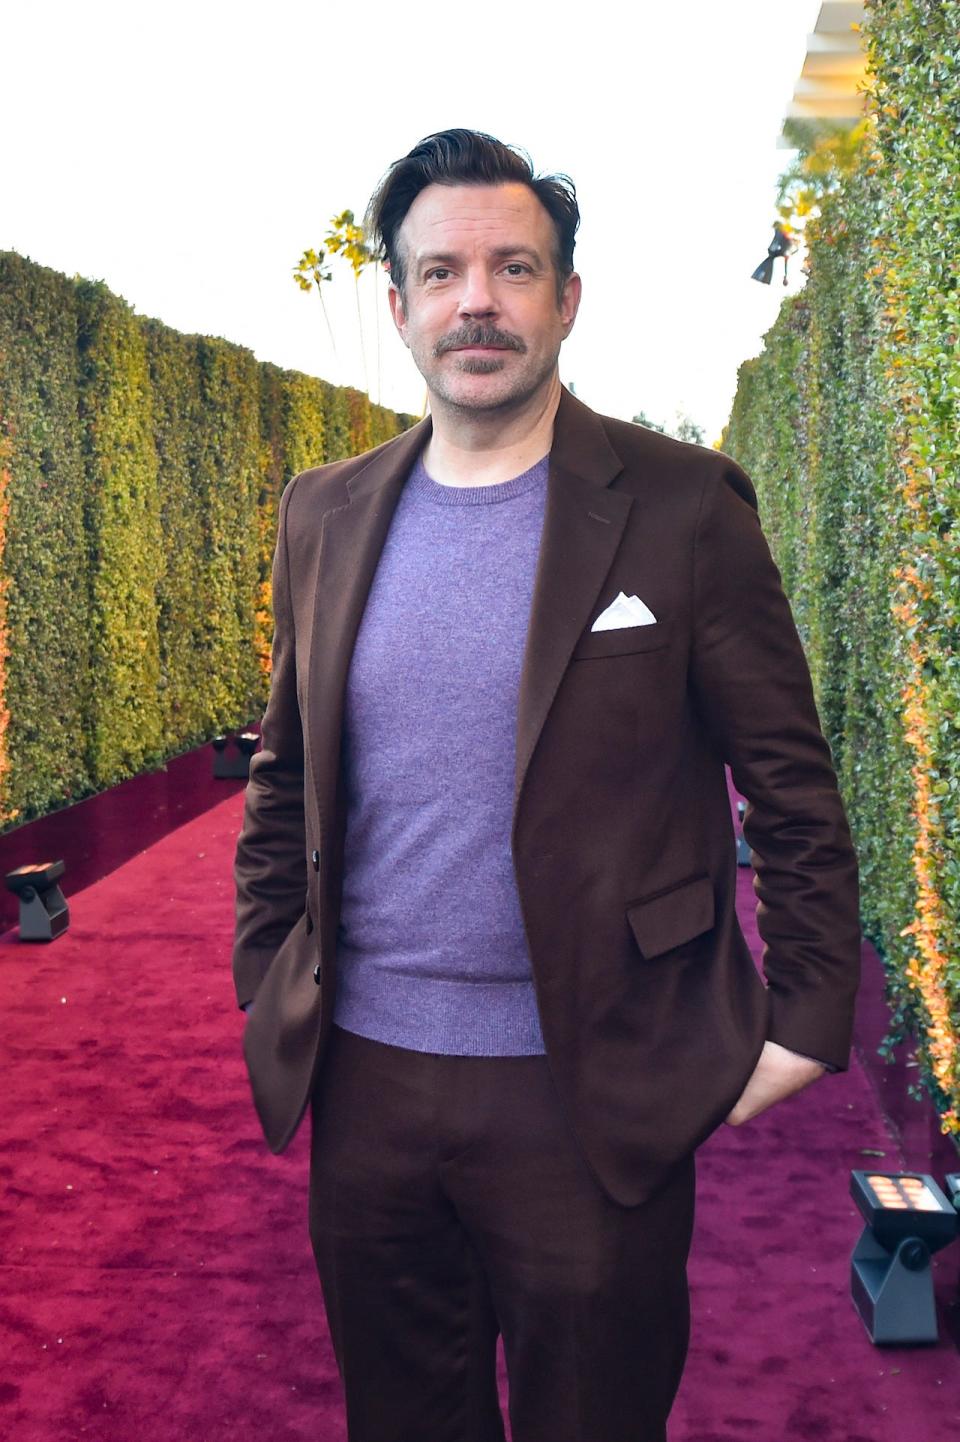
(124, 549)
(140, 476)
(227, 474)
(43, 571)
(849, 422)
(181, 625)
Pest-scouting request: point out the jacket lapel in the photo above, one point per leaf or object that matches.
(583, 524)
(351, 539)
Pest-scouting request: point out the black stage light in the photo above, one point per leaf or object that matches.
(907, 1218)
(232, 763)
(247, 742)
(782, 244)
(44, 912)
(764, 271)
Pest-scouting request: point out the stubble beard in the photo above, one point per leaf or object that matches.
(440, 374)
(515, 393)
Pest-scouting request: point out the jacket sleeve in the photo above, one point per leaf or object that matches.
(754, 693)
(270, 863)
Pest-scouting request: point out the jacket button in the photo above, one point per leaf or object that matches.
(316, 973)
(315, 858)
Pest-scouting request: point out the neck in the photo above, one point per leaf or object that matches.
(481, 449)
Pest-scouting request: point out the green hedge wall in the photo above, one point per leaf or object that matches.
(44, 563)
(848, 420)
(121, 700)
(140, 476)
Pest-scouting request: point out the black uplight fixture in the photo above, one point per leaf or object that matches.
(44, 912)
(782, 244)
(231, 755)
(908, 1218)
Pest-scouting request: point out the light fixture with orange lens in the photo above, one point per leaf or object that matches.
(907, 1218)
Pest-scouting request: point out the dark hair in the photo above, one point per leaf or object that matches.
(467, 157)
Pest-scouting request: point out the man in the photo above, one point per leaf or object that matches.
(513, 649)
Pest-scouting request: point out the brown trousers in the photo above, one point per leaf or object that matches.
(449, 1202)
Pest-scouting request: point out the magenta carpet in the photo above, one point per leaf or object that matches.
(158, 1284)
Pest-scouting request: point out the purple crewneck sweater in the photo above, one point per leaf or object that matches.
(431, 951)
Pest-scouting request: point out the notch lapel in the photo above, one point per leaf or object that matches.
(582, 527)
(351, 540)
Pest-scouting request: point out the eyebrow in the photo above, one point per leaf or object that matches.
(501, 252)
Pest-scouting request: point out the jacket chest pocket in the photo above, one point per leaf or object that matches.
(623, 641)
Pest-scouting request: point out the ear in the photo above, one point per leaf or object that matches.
(570, 301)
(395, 301)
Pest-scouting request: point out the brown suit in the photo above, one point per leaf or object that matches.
(653, 1014)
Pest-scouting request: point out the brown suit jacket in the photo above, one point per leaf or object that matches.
(653, 1013)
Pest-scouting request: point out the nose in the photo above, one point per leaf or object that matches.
(477, 297)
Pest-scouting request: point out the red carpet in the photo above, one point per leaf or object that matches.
(158, 1284)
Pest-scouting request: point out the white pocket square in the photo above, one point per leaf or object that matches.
(624, 611)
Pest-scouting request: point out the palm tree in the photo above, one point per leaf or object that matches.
(309, 271)
(346, 238)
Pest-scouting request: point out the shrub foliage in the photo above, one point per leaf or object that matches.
(140, 475)
(849, 421)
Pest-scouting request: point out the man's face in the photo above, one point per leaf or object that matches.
(480, 313)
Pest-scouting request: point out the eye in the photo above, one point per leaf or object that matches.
(440, 273)
(517, 267)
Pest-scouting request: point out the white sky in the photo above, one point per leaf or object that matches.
(187, 154)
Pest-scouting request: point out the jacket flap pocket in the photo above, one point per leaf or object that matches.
(662, 922)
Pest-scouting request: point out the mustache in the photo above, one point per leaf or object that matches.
(487, 335)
